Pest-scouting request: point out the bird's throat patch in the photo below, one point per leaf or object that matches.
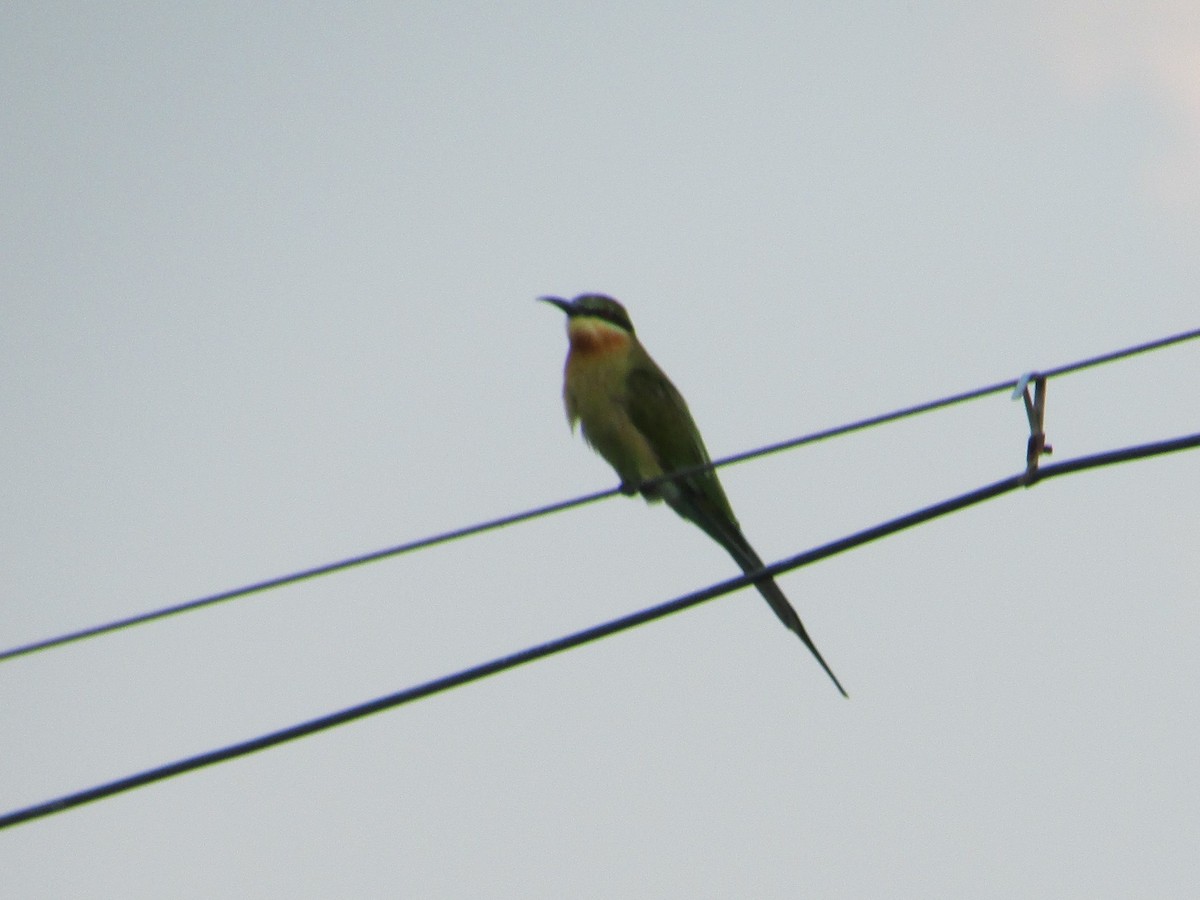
(591, 336)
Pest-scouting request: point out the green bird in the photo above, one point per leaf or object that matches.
(635, 418)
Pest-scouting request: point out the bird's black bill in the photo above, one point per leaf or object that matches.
(562, 304)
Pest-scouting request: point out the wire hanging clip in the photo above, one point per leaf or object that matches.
(1035, 411)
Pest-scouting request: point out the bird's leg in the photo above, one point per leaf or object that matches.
(649, 488)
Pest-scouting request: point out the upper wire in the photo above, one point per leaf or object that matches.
(421, 543)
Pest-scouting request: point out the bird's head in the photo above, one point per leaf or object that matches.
(596, 307)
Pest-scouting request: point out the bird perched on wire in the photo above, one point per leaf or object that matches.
(634, 417)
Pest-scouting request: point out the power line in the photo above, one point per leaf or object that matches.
(987, 492)
(562, 506)
(302, 575)
(1145, 347)
(930, 406)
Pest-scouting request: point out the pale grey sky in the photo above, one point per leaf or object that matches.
(267, 300)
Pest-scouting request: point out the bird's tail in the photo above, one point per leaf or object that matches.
(774, 596)
(727, 533)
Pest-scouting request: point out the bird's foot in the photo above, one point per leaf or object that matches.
(629, 488)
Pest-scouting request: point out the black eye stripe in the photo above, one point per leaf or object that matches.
(605, 308)
(616, 318)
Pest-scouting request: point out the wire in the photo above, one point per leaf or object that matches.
(558, 645)
(562, 506)
(1146, 347)
(932, 405)
(302, 575)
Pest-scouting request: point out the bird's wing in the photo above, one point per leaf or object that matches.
(661, 414)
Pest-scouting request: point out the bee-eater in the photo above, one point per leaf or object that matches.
(634, 417)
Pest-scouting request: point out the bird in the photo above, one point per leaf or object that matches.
(635, 418)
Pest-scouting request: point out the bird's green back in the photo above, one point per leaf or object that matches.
(660, 413)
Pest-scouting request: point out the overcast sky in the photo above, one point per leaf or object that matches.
(267, 300)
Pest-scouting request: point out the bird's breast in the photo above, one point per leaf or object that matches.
(596, 395)
(595, 386)
(597, 366)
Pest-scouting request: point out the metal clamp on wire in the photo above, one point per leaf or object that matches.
(1035, 411)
